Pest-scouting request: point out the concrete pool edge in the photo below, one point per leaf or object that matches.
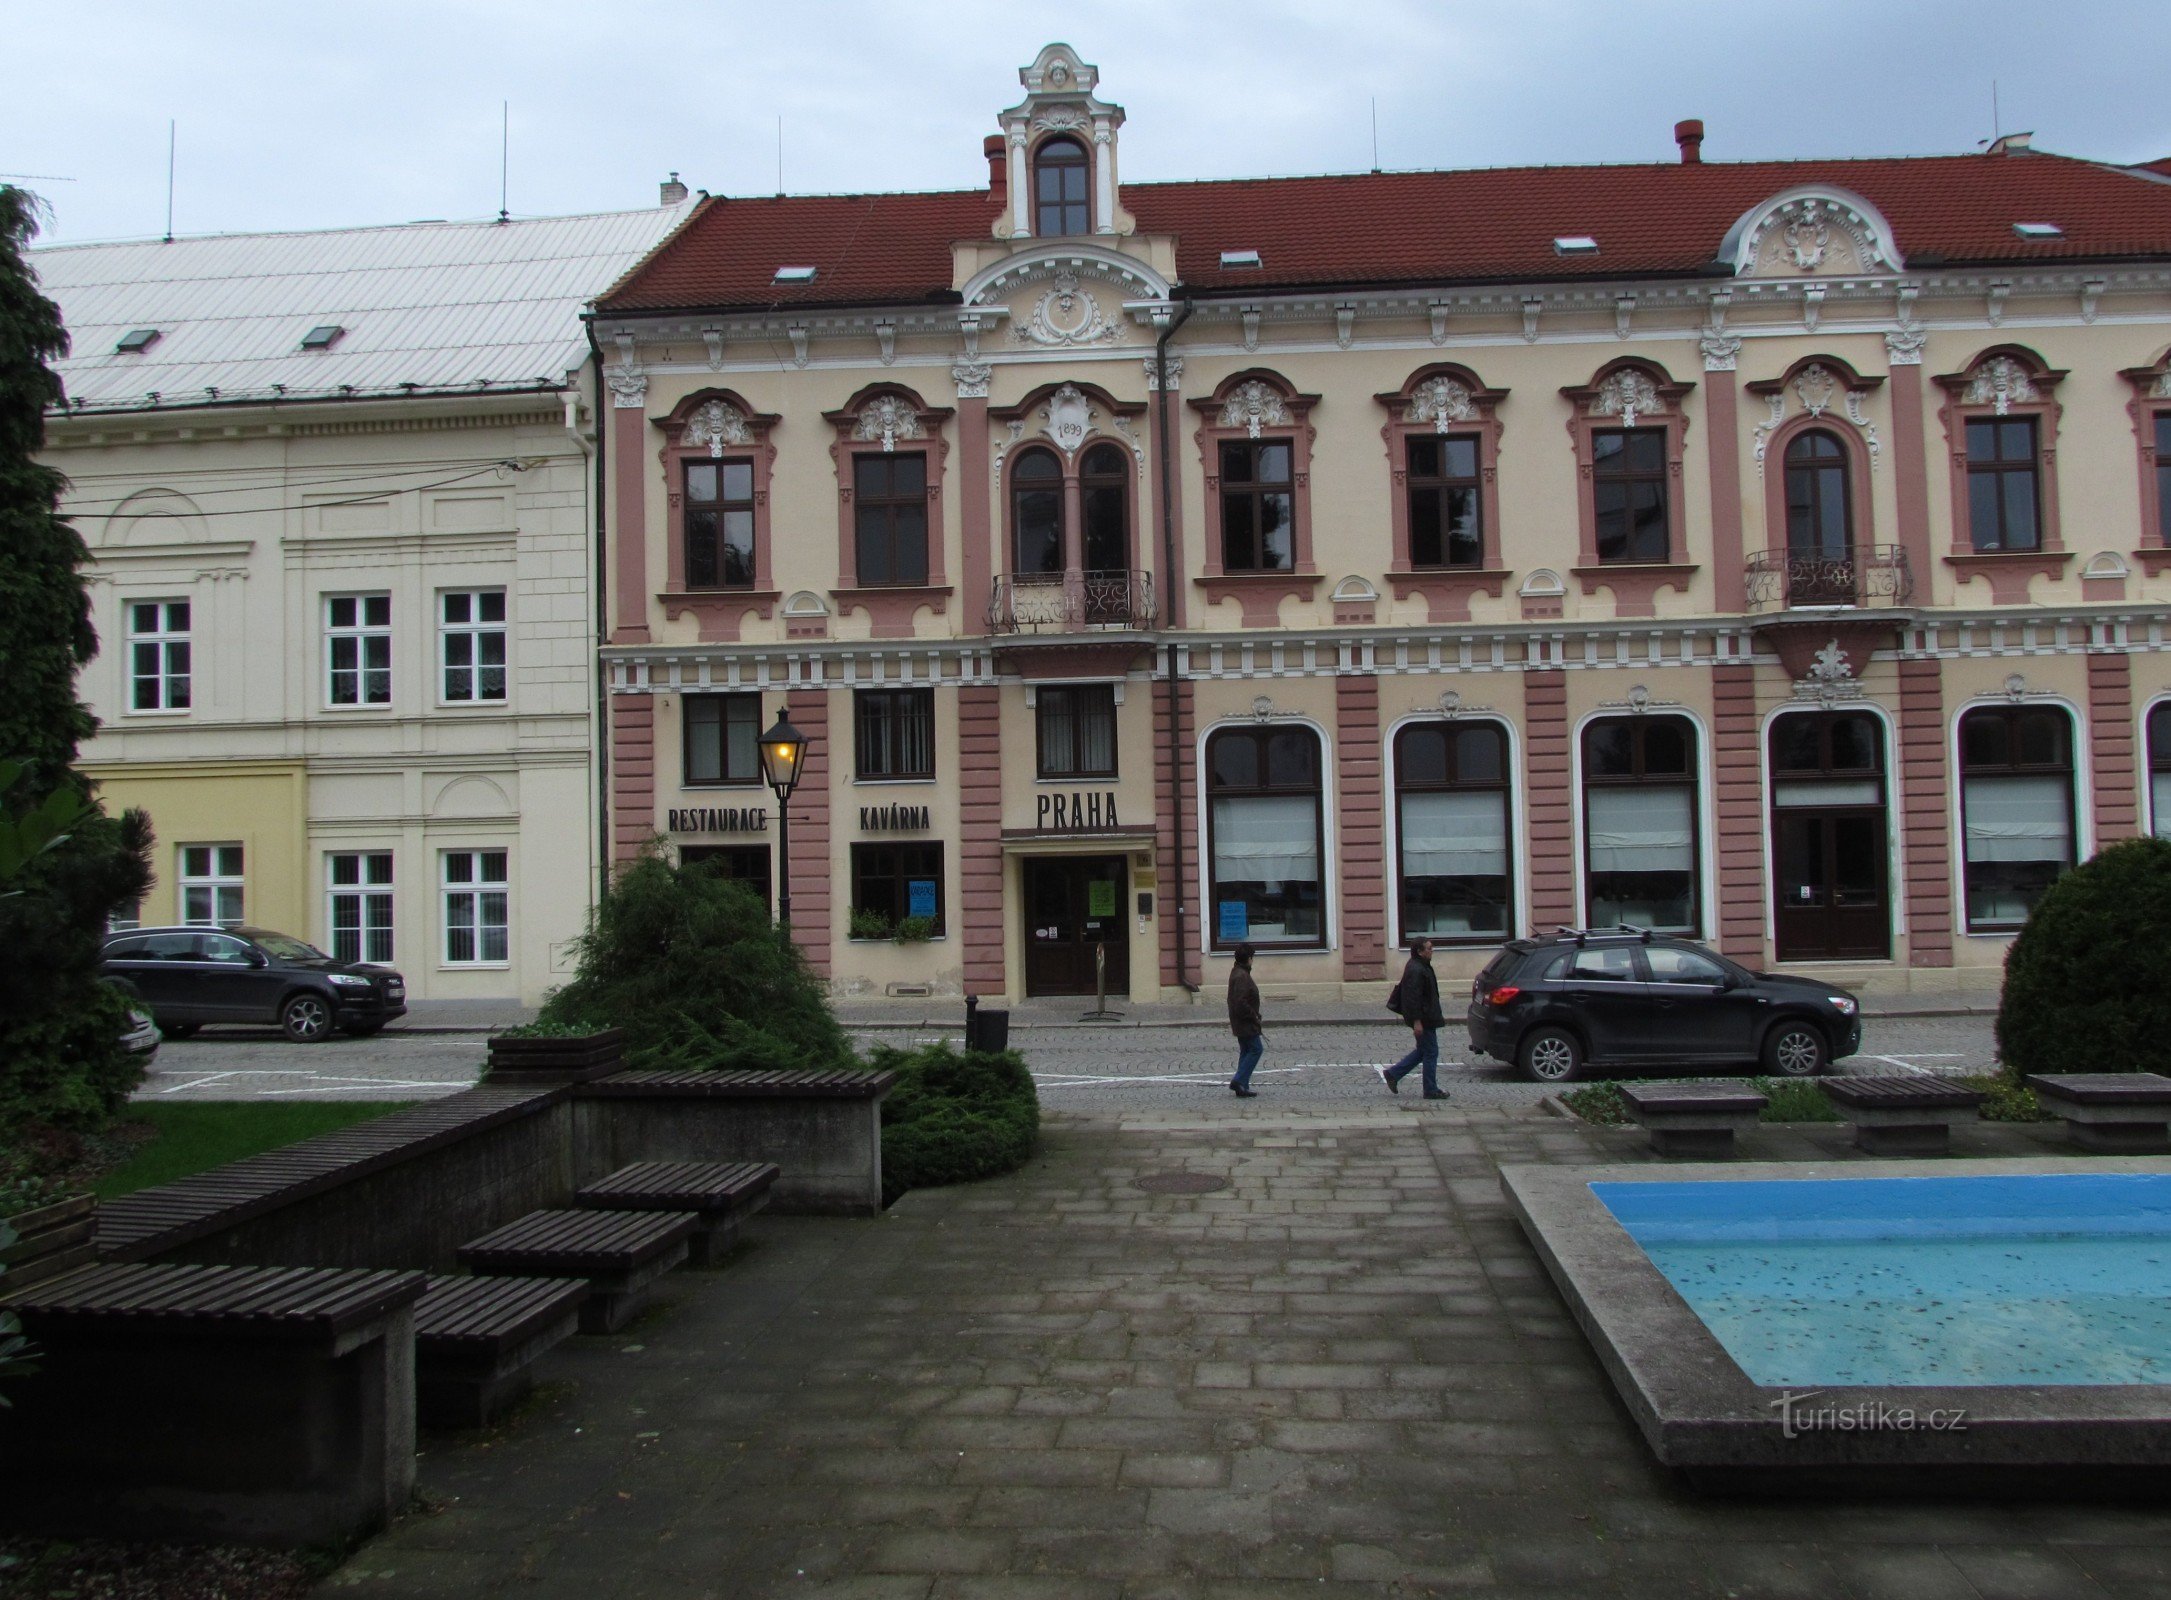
(1700, 1414)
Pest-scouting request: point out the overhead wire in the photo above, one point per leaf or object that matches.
(71, 506)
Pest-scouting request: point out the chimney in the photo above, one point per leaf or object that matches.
(673, 191)
(1689, 135)
(998, 168)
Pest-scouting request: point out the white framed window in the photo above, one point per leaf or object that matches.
(211, 885)
(359, 904)
(475, 908)
(358, 649)
(125, 917)
(471, 645)
(158, 655)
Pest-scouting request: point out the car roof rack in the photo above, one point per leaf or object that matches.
(1616, 931)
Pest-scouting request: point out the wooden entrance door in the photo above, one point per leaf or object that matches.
(1073, 909)
(1830, 897)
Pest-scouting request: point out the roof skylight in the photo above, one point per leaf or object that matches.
(323, 336)
(1241, 258)
(136, 340)
(2039, 230)
(794, 275)
(1575, 244)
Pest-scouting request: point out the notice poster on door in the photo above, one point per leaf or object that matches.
(1235, 919)
(920, 897)
(1101, 898)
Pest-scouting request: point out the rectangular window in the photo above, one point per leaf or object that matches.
(722, 732)
(1628, 494)
(890, 517)
(2004, 494)
(2016, 805)
(894, 731)
(1443, 501)
(211, 885)
(719, 524)
(475, 908)
(158, 655)
(1077, 730)
(359, 906)
(1266, 837)
(897, 882)
(471, 645)
(358, 649)
(1258, 506)
(2163, 475)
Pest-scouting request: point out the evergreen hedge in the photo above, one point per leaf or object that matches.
(954, 1118)
(2088, 980)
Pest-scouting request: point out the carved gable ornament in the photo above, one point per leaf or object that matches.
(1627, 393)
(1811, 233)
(889, 418)
(715, 425)
(1253, 406)
(1066, 313)
(1830, 678)
(1441, 401)
(1823, 390)
(2000, 383)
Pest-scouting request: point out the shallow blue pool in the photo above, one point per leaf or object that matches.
(2059, 1278)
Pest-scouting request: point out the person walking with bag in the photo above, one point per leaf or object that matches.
(1245, 1023)
(1417, 1001)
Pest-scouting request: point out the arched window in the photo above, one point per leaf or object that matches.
(1639, 823)
(1820, 516)
(1060, 176)
(1451, 812)
(2016, 804)
(2159, 771)
(1036, 505)
(1266, 840)
(1105, 484)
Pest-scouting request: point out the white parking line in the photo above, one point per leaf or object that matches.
(1064, 1080)
(1921, 1055)
(197, 1083)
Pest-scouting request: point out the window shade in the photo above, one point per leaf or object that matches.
(1454, 835)
(1266, 839)
(2019, 819)
(1643, 829)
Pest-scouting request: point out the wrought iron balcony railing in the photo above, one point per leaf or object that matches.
(1873, 575)
(1069, 602)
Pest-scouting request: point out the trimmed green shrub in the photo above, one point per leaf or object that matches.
(689, 964)
(2005, 1098)
(2085, 987)
(953, 1118)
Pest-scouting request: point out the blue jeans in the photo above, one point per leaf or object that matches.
(1248, 1052)
(1426, 1054)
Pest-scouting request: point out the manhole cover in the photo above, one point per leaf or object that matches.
(1181, 1183)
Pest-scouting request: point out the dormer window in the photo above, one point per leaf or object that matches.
(136, 341)
(323, 336)
(1060, 179)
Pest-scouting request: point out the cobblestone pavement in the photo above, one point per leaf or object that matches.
(1077, 1068)
(1345, 1375)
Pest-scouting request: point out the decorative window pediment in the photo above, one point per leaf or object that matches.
(1814, 231)
(1820, 389)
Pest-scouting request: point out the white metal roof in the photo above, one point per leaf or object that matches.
(428, 306)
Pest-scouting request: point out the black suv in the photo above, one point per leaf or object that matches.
(186, 977)
(1558, 1006)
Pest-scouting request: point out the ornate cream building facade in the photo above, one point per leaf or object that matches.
(339, 490)
(1774, 552)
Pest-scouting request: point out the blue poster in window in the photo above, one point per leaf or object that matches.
(921, 897)
(1235, 919)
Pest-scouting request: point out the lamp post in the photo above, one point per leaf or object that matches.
(783, 755)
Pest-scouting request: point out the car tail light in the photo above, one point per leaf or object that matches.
(1502, 995)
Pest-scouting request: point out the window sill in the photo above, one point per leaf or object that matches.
(2152, 559)
(2009, 571)
(348, 711)
(718, 612)
(1260, 593)
(902, 944)
(473, 705)
(1447, 591)
(893, 607)
(894, 783)
(170, 711)
(474, 966)
(710, 784)
(1635, 584)
(1078, 777)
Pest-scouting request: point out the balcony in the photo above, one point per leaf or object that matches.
(1868, 575)
(1070, 602)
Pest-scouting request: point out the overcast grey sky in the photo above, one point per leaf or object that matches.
(298, 115)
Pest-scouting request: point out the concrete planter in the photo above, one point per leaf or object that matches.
(518, 1061)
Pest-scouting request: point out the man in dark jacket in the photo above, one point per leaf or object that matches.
(1244, 1022)
(1420, 1008)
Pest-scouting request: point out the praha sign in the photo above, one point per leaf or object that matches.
(1077, 813)
(719, 819)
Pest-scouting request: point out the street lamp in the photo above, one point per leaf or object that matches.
(783, 754)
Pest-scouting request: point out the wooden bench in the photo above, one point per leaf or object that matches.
(52, 1240)
(619, 1253)
(1692, 1119)
(2110, 1113)
(721, 1194)
(1902, 1116)
(476, 1337)
(230, 1404)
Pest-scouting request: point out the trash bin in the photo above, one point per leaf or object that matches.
(987, 1030)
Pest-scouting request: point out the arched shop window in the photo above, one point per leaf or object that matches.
(2159, 770)
(1266, 838)
(1451, 827)
(1639, 823)
(2016, 798)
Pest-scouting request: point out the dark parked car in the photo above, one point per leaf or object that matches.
(1557, 1007)
(186, 977)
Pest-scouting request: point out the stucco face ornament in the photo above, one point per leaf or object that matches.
(1441, 401)
(888, 419)
(1066, 314)
(2000, 383)
(716, 425)
(1254, 406)
(1627, 394)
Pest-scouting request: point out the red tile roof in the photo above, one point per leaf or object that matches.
(1469, 227)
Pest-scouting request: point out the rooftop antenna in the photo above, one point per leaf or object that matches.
(505, 147)
(780, 154)
(1375, 133)
(1997, 128)
(170, 141)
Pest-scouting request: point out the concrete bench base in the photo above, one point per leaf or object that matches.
(476, 1340)
(1692, 1119)
(1905, 1133)
(721, 1195)
(1903, 1116)
(619, 1253)
(2109, 1113)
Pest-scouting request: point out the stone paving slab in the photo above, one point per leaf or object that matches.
(1343, 1375)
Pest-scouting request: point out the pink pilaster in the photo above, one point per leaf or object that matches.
(1924, 817)
(980, 844)
(974, 518)
(1552, 801)
(629, 568)
(633, 774)
(1740, 812)
(1359, 819)
(2110, 747)
(1724, 445)
(1176, 826)
(812, 871)
(1911, 483)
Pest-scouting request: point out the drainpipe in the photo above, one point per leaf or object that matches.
(1170, 577)
(603, 703)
